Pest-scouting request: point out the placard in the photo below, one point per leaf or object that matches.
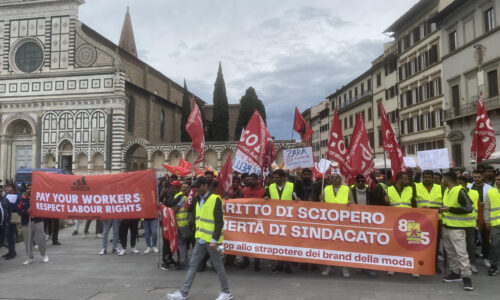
(433, 159)
(410, 162)
(298, 158)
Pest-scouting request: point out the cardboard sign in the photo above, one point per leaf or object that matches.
(323, 165)
(245, 164)
(357, 236)
(298, 158)
(129, 195)
(410, 162)
(433, 159)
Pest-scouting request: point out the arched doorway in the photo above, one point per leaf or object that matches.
(66, 156)
(20, 140)
(136, 158)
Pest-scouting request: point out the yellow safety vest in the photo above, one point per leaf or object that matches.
(181, 217)
(494, 197)
(205, 222)
(342, 196)
(474, 197)
(384, 186)
(450, 199)
(403, 200)
(433, 198)
(287, 192)
(353, 186)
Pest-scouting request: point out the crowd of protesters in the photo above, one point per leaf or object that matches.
(468, 205)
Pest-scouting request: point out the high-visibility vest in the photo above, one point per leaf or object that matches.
(474, 197)
(384, 186)
(181, 217)
(433, 198)
(450, 199)
(403, 200)
(342, 196)
(287, 193)
(353, 186)
(494, 197)
(205, 223)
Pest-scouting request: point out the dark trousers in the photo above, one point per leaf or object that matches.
(98, 226)
(52, 228)
(125, 226)
(167, 253)
(470, 235)
(485, 243)
(438, 242)
(11, 233)
(3, 230)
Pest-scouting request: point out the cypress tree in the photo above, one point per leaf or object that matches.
(219, 126)
(186, 110)
(248, 104)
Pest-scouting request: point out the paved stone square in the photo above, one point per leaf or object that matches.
(75, 271)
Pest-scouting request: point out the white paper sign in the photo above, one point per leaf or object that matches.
(244, 164)
(323, 165)
(410, 162)
(433, 159)
(298, 158)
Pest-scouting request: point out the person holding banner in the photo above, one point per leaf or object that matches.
(32, 229)
(337, 193)
(209, 235)
(456, 211)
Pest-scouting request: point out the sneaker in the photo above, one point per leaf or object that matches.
(75, 233)
(56, 243)
(468, 284)
(474, 269)
(415, 275)
(177, 296)
(452, 277)
(134, 251)
(35, 248)
(486, 263)
(148, 249)
(102, 252)
(372, 274)
(27, 261)
(345, 272)
(155, 249)
(121, 252)
(45, 259)
(225, 296)
(83, 236)
(165, 266)
(493, 270)
(390, 273)
(115, 250)
(98, 236)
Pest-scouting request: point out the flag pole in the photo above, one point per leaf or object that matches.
(158, 232)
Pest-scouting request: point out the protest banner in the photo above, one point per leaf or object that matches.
(410, 162)
(244, 164)
(357, 236)
(433, 159)
(298, 158)
(129, 195)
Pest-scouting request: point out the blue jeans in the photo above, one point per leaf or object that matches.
(107, 224)
(151, 232)
(11, 238)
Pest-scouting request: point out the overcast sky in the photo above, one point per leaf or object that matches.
(293, 52)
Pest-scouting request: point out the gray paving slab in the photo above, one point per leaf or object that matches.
(75, 271)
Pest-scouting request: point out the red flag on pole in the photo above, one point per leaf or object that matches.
(391, 144)
(185, 164)
(484, 141)
(301, 127)
(226, 176)
(179, 171)
(256, 142)
(360, 156)
(194, 128)
(336, 150)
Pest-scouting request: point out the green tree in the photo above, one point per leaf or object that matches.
(248, 104)
(186, 110)
(219, 126)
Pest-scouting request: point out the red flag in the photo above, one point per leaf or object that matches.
(256, 142)
(336, 150)
(484, 141)
(301, 127)
(194, 127)
(391, 144)
(169, 227)
(226, 176)
(185, 164)
(179, 171)
(360, 156)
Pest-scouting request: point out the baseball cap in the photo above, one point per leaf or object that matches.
(176, 183)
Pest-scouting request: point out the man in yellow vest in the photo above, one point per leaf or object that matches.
(492, 221)
(456, 210)
(182, 219)
(281, 190)
(337, 193)
(471, 232)
(209, 235)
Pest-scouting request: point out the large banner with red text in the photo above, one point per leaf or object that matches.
(357, 236)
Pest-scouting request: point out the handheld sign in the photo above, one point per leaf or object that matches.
(433, 159)
(298, 158)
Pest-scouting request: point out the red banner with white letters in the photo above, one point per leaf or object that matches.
(116, 196)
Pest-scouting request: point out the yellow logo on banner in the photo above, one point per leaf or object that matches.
(413, 233)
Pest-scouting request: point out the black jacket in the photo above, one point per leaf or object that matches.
(369, 196)
(22, 210)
